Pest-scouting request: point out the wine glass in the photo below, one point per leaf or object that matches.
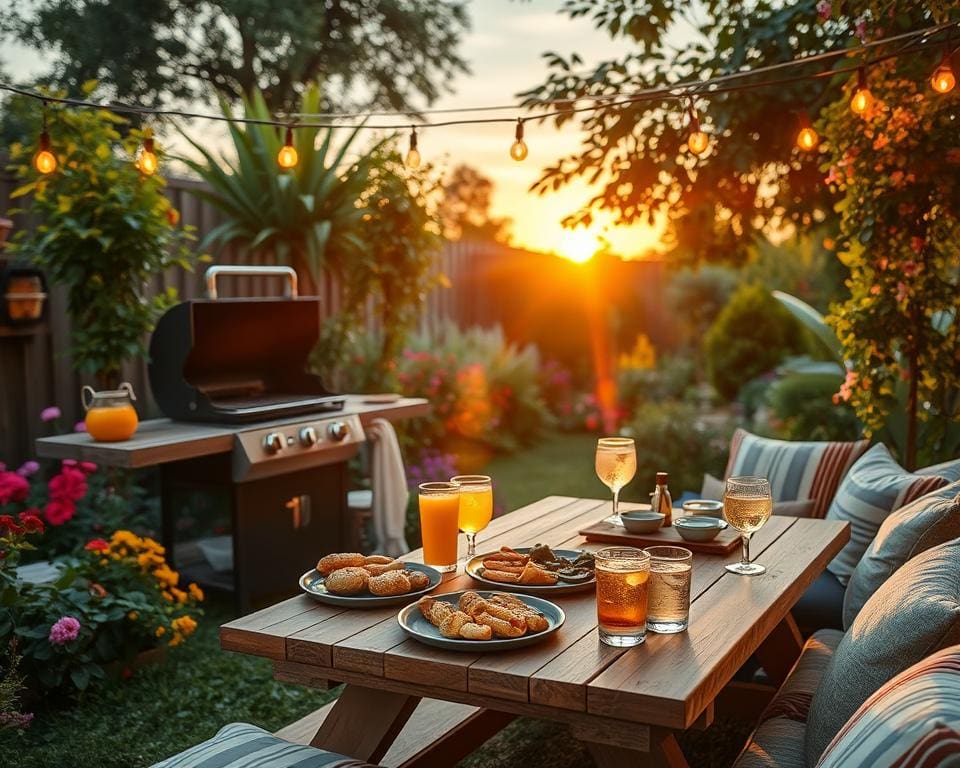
(476, 506)
(616, 464)
(747, 505)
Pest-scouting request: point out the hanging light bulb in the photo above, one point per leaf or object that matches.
(697, 140)
(862, 98)
(943, 80)
(412, 160)
(287, 156)
(807, 138)
(147, 162)
(44, 160)
(518, 150)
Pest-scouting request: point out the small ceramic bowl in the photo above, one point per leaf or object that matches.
(699, 528)
(642, 522)
(704, 507)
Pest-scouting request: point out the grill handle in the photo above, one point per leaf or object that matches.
(218, 270)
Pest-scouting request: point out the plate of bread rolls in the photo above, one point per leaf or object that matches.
(480, 620)
(536, 570)
(367, 581)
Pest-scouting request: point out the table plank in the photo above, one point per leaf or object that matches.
(671, 678)
(262, 633)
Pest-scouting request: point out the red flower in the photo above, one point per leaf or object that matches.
(69, 486)
(97, 590)
(96, 545)
(58, 512)
(13, 487)
(88, 467)
(30, 521)
(9, 525)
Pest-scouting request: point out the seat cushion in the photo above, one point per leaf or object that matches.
(777, 743)
(930, 520)
(821, 606)
(796, 470)
(875, 486)
(713, 488)
(793, 699)
(914, 614)
(240, 745)
(912, 720)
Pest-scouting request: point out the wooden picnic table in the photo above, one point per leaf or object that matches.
(624, 704)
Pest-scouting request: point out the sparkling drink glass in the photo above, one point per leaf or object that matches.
(623, 574)
(668, 604)
(476, 506)
(439, 524)
(616, 464)
(747, 505)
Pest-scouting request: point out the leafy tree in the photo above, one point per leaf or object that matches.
(466, 207)
(397, 52)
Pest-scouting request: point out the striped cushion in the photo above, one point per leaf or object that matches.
(240, 745)
(793, 699)
(927, 522)
(796, 471)
(777, 743)
(914, 720)
(874, 487)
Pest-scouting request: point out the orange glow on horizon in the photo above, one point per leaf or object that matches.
(579, 245)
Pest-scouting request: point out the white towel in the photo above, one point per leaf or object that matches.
(390, 493)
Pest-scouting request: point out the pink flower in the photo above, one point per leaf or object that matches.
(70, 485)
(80, 426)
(51, 413)
(88, 467)
(13, 487)
(902, 292)
(28, 468)
(59, 512)
(860, 29)
(824, 10)
(64, 631)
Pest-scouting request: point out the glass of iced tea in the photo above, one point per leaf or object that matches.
(668, 604)
(439, 524)
(476, 506)
(616, 464)
(747, 505)
(623, 575)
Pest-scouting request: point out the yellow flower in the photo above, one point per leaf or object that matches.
(179, 594)
(104, 561)
(133, 615)
(166, 576)
(195, 592)
(175, 641)
(161, 631)
(167, 596)
(184, 625)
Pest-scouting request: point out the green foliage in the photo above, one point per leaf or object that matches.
(399, 53)
(802, 405)
(106, 231)
(750, 336)
(696, 297)
(465, 210)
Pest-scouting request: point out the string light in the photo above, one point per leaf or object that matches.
(807, 138)
(697, 140)
(943, 80)
(44, 160)
(147, 162)
(287, 157)
(862, 98)
(412, 160)
(518, 150)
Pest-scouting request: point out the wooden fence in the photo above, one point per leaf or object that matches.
(488, 284)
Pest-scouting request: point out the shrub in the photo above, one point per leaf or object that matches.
(802, 404)
(752, 334)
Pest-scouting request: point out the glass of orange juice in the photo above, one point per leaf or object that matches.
(476, 506)
(439, 521)
(110, 414)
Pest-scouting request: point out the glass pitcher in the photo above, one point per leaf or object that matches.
(110, 414)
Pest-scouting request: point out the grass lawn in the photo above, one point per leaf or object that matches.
(166, 708)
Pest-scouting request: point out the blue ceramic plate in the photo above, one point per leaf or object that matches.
(312, 583)
(415, 625)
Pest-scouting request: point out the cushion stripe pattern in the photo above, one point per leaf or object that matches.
(911, 721)
(796, 470)
(793, 699)
(240, 745)
(874, 487)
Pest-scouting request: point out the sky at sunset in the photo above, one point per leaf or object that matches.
(504, 51)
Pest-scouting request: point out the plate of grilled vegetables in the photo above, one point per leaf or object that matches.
(538, 570)
(367, 581)
(480, 620)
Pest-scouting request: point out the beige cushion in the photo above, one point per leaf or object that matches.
(793, 699)
(914, 614)
(777, 743)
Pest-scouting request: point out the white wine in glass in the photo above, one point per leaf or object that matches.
(616, 464)
(747, 505)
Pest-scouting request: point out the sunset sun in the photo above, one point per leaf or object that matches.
(579, 245)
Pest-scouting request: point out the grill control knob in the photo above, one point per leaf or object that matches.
(338, 431)
(308, 437)
(273, 442)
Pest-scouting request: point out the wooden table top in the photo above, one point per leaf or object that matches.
(668, 681)
(158, 441)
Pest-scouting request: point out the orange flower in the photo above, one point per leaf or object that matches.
(195, 592)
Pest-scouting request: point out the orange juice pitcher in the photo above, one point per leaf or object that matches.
(110, 413)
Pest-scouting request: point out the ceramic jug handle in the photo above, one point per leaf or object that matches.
(87, 395)
(129, 389)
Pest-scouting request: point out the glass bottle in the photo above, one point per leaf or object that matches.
(661, 501)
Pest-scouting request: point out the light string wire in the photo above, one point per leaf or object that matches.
(717, 85)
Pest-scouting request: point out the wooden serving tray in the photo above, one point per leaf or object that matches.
(726, 541)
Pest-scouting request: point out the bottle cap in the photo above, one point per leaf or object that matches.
(661, 478)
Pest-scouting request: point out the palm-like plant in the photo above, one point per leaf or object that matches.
(309, 216)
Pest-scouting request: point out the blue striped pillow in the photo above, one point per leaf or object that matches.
(874, 487)
(240, 745)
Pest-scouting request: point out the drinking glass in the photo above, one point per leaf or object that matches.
(668, 606)
(439, 521)
(622, 574)
(476, 506)
(616, 464)
(747, 505)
